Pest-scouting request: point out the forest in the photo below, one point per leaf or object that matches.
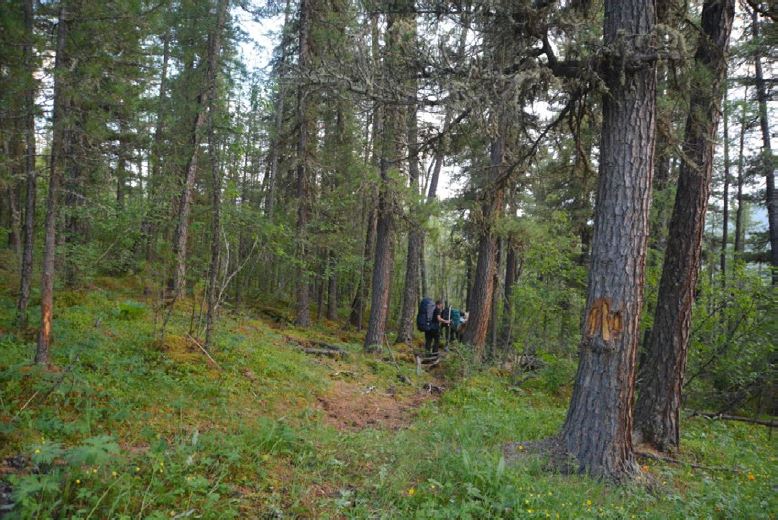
(388, 259)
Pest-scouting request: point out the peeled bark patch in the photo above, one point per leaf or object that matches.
(603, 321)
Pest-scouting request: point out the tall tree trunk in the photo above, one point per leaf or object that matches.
(332, 288)
(278, 123)
(511, 264)
(480, 300)
(181, 235)
(725, 195)
(28, 231)
(61, 64)
(151, 225)
(216, 189)
(415, 237)
(302, 291)
(768, 161)
(360, 297)
(661, 375)
(740, 213)
(495, 299)
(597, 430)
(382, 266)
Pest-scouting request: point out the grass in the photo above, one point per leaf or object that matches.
(128, 427)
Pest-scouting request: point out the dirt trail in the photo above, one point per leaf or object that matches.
(353, 407)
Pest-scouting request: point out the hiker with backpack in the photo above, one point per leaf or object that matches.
(428, 320)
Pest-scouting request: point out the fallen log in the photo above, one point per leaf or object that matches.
(324, 352)
(770, 423)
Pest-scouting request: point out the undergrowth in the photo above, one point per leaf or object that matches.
(127, 426)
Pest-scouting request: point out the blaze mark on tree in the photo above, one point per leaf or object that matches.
(603, 321)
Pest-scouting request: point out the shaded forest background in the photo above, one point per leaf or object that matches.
(137, 143)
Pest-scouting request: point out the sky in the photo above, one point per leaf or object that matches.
(263, 36)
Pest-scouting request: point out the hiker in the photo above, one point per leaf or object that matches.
(462, 324)
(456, 320)
(438, 322)
(429, 320)
(445, 327)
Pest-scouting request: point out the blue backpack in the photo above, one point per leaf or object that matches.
(424, 316)
(456, 317)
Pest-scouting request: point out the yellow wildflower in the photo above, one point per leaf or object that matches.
(751, 476)
(588, 503)
(78, 481)
(411, 492)
(37, 451)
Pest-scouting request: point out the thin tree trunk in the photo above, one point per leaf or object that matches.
(415, 237)
(725, 196)
(185, 202)
(278, 122)
(362, 292)
(597, 431)
(740, 214)
(216, 186)
(661, 375)
(768, 162)
(511, 263)
(332, 289)
(57, 140)
(302, 291)
(28, 231)
(151, 226)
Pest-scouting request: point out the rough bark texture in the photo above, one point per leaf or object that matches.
(55, 174)
(302, 291)
(28, 231)
(185, 202)
(597, 430)
(360, 296)
(511, 271)
(480, 299)
(768, 161)
(214, 49)
(725, 197)
(661, 376)
(411, 288)
(382, 268)
(275, 144)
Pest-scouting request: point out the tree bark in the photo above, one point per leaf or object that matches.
(511, 263)
(155, 177)
(61, 64)
(415, 236)
(181, 235)
(725, 196)
(382, 267)
(302, 290)
(214, 49)
(480, 299)
(740, 213)
(597, 430)
(768, 161)
(661, 376)
(28, 231)
(278, 123)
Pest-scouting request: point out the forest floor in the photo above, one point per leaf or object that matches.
(127, 426)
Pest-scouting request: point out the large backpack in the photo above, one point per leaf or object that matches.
(456, 317)
(424, 316)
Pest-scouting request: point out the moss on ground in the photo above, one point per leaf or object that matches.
(128, 425)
